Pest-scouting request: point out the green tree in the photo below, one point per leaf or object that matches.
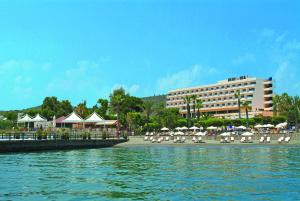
(65, 108)
(82, 110)
(199, 105)
(103, 107)
(246, 106)
(148, 110)
(237, 95)
(170, 117)
(194, 98)
(187, 100)
(134, 120)
(117, 101)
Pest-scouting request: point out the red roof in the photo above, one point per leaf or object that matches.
(60, 119)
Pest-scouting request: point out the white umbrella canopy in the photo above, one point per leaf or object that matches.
(38, 118)
(269, 126)
(26, 118)
(225, 134)
(184, 128)
(194, 128)
(241, 127)
(212, 128)
(178, 128)
(281, 125)
(200, 134)
(258, 126)
(164, 129)
(54, 121)
(179, 133)
(247, 134)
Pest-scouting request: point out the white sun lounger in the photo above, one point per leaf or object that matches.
(194, 139)
(250, 139)
(167, 138)
(232, 139)
(182, 140)
(287, 139)
(146, 138)
(262, 139)
(268, 139)
(280, 140)
(243, 139)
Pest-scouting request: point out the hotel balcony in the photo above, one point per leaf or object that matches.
(268, 95)
(268, 89)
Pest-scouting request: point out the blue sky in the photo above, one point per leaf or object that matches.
(83, 49)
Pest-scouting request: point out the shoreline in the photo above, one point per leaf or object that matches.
(139, 141)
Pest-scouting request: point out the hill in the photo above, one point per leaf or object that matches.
(156, 99)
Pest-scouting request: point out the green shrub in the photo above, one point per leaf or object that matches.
(86, 135)
(105, 135)
(64, 134)
(39, 134)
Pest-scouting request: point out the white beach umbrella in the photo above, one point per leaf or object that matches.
(164, 129)
(247, 134)
(194, 128)
(54, 121)
(225, 134)
(184, 128)
(269, 126)
(281, 125)
(241, 127)
(179, 133)
(212, 128)
(178, 128)
(258, 126)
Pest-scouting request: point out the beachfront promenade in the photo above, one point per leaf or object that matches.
(32, 141)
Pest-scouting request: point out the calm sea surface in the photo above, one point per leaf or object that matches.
(153, 173)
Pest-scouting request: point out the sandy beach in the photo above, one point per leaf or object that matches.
(139, 141)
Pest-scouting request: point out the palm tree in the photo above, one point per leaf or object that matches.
(187, 100)
(246, 106)
(199, 105)
(238, 96)
(194, 98)
(295, 108)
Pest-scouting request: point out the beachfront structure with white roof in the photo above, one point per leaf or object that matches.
(219, 99)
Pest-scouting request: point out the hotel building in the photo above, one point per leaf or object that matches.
(219, 99)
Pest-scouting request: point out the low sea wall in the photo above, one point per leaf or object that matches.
(40, 145)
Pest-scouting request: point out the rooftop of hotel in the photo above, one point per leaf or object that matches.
(234, 80)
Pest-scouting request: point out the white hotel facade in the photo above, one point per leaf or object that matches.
(219, 99)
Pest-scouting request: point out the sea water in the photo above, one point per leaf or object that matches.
(153, 173)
